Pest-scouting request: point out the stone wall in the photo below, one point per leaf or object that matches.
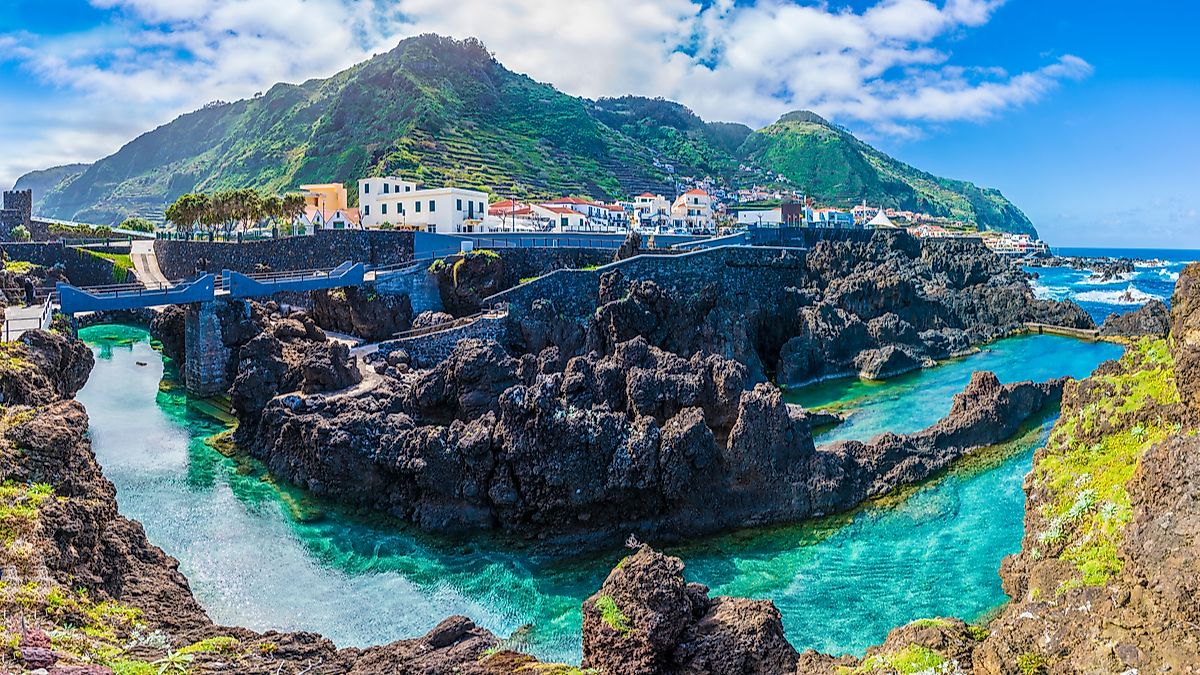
(574, 294)
(18, 210)
(430, 349)
(207, 356)
(806, 237)
(418, 284)
(82, 268)
(323, 250)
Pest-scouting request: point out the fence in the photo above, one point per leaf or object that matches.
(14, 328)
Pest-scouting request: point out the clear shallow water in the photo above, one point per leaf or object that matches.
(919, 399)
(266, 556)
(1153, 278)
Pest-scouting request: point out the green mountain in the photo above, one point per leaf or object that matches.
(445, 112)
(837, 168)
(42, 181)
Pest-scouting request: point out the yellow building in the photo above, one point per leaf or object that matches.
(325, 197)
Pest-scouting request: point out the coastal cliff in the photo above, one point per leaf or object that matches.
(649, 412)
(85, 593)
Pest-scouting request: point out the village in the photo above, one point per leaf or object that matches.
(393, 203)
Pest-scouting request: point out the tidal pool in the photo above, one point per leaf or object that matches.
(265, 555)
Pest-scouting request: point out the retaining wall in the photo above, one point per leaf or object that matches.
(323, 250)
(82, 268)
(428, 350)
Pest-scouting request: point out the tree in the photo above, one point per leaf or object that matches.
(21, 233)
(188, 211)
(137, 225)
(272, 208)
(293, 205)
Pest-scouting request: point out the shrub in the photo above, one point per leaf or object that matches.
(21, 233)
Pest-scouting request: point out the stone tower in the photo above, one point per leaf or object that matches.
(18, 210)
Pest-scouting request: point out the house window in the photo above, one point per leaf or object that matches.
(383, 208)
(366, 188)
(418, 205)
(481, 207)
(432, 205)
(401, 209)
(408, 188)
(458, 204)
(366, 209)
(385, 188)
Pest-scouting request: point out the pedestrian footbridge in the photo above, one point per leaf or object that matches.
(228, 285)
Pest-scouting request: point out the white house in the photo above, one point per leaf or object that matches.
(561, 218)
(771, 217)
(388, 199)
(693, 211)
(651, 210)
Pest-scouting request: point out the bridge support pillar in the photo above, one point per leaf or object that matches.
(206, 353)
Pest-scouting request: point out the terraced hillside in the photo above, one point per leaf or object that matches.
(445, 112)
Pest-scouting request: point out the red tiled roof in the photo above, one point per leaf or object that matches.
(647, 194)
(696, 192)
(562, 210)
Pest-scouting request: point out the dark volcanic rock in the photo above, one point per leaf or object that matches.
(43, 367)
(167, 328)
(646, 619)
(1152, 318)
(640, 440)
(362, 312)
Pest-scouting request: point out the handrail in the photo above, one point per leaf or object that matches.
(40, 322)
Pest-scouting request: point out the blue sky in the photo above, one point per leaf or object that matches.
(1083, 113)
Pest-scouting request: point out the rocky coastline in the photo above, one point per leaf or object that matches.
(641, 425)
(1104, 583)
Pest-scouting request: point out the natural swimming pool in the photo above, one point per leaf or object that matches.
(265, 555)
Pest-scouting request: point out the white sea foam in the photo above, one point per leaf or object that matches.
(1043, 292)
(1129, 296)
(1168, 275)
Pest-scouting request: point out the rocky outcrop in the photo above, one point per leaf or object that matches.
(640, 440)
(362, 312)
(647, 620)
(43, 367)
(1151, 319)
(1185, 336)
(877, 309)
(464, 283)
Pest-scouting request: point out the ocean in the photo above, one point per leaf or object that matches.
(1153, 278)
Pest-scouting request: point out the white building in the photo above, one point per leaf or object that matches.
(388, 199)
(693, 211)
(769, 217)
(651, 210)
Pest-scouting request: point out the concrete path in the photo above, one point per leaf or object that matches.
(145, 264)
(18, 320)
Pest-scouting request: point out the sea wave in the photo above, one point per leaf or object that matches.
(1045, 292)
(1130, 296)
(1168, 275)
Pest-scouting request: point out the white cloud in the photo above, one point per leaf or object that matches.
(885, 67)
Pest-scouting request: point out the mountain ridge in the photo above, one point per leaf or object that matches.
(443, 111)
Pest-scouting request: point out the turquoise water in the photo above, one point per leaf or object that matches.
(919, 399)
(266, 556)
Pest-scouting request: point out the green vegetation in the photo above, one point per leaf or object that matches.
(21, 233)
(907, 661)
(122, 264)
(444, 112)
(19, 266)
(612, 615)
(231, 210)
(1091, 456)
(137, 225)
(1030, 663)
(836, 168)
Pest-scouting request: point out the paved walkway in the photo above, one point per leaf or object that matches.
(145, 264)
(18, 320)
